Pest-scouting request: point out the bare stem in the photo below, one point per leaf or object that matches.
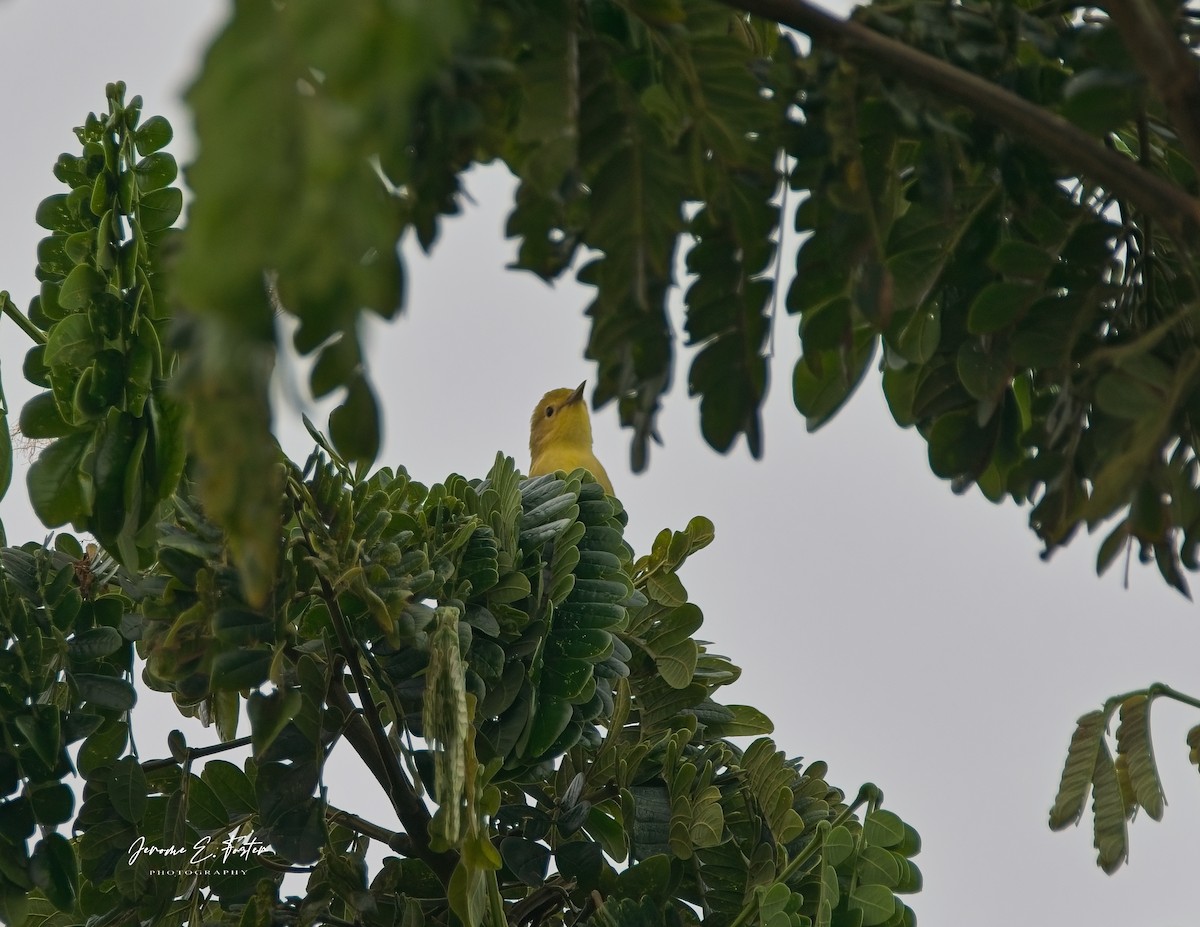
(22, 320)
(195, 753)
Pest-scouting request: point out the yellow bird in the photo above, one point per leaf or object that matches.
(560, 436)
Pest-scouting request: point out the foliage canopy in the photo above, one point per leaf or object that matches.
(528, 695)
(1002, 205)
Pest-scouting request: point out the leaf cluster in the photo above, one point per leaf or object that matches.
(66, 650)
(1036, 329)
(116, 442)
(1035, 326)
(513, 662)
(1122, 777)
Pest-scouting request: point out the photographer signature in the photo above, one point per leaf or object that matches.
(240, 847)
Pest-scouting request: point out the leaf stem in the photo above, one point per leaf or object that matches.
(1160, 688)
(22, 320)
(195, 753)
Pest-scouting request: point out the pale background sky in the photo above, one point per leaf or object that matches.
(908, 636)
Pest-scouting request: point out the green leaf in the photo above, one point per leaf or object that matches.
(269, 714)
(152, 135)
(72, 342)
(6, 452)
(1133, 743)
(354, 425)
(1122, 394)
(54, 215)
(745, 721)
(78, 290)
(231, 786)
(156, 171)
(101, 749)
(159, 210)
(920, 336)
(958, 446)
(839, 844)
(1022, 259)
(528, 859)
(205, 810)
(876, 902)
(104, 691)
(819, 395)
(913, 274)
(550, 720)
(985, 371)
(883, 829)
(41, 418)
(1102, 99)
(1077, 773)
(648, 878)
(59, 490)
(52, 804)
(55, 870)
(339, 363)
(877, 866)
(1108, 810)
(94, 643)
(999, 305)
(14, 905)
(241, 669)
(127, 789)
(42, 728)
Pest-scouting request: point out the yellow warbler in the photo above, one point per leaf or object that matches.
(560, 436)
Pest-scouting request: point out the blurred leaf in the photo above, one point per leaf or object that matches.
(354, 425)
(819, 395)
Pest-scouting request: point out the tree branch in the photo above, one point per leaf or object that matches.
(400, 842)
(23, 323)
(195, 753)
(363, 727)
(409, 808)
(1169, 66)
(1176, 210)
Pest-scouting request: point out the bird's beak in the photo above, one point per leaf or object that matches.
(576, 396)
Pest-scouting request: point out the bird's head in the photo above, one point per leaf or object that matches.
(560, 417)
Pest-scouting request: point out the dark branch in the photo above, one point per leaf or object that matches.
(408, 806)
(195, 753)
(400, 842)
(1176, 210)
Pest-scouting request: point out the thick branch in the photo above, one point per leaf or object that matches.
(1169, 66)
(1178, 212)
(401, 843)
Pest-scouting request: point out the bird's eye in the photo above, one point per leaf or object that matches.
(549, 411)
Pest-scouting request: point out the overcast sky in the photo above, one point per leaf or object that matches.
(908, 636)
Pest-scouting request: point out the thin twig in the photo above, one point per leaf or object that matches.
(195, 753)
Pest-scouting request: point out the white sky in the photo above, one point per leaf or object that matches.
(907, 636)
